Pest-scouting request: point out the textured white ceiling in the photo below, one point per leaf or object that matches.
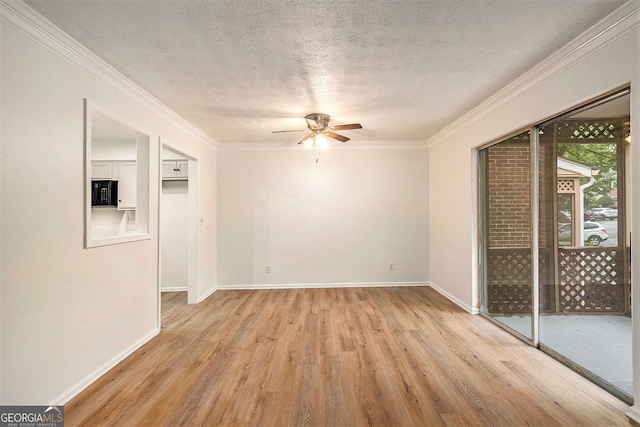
(239, 69)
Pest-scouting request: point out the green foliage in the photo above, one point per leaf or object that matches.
(606, 202)
(602, 157)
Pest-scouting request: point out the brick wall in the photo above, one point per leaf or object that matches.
(509, 193)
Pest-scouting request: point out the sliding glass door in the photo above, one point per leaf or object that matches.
(506, 233)
(555, 265)
(589, 325)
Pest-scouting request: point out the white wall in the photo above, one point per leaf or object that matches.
(113, 150)
(338, 222)
(70, 313)
(170, 155)
(174, 235)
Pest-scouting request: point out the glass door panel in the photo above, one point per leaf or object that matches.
(584, 284)
(505, 193)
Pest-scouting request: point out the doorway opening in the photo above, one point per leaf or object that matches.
(178, 224)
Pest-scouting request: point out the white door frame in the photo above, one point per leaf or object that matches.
(193, 227)
(192, 224)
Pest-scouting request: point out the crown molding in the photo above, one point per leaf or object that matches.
(351, 145)
(28, 22)
(615, 25)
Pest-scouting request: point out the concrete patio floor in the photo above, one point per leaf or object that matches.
(598, 343)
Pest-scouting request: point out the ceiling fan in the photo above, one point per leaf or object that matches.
(319, 129)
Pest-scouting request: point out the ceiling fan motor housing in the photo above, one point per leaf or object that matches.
(317, 121)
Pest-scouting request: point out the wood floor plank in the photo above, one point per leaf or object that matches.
(337, 357)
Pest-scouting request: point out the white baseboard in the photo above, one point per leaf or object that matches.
(455, 300)
(319, 285)
(444, 293)
(634, 413)
(206, 295)
(65, 397)
(174, 289)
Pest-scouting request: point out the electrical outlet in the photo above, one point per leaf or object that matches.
(267, 269)
(391, 266)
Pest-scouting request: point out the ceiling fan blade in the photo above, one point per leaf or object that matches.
(336, 136)
(305, 138)
(347, 127)
(296, 130)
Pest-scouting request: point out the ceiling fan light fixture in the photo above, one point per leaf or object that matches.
(321, 141)
(308, 142)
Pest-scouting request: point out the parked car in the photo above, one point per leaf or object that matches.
(594, 233)
(596, 214)
(610, 213)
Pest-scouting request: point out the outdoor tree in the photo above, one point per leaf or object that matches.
(602, 157)
(606, 202)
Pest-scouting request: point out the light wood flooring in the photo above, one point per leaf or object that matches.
(337, 357)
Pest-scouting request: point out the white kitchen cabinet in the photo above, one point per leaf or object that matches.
(175, 169)
(127, 185)
(101, 170)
